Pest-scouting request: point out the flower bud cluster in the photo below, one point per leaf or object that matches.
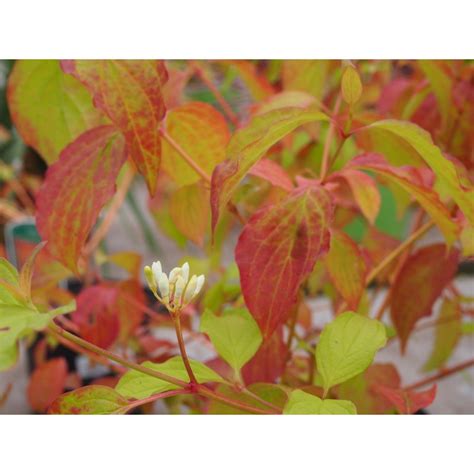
(176, 290)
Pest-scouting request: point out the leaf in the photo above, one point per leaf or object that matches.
(447, 335)
(405, 178)
(130, 94)
(129, 299)
(421, 143)
(277, 250)
(10, 292)
(302, 403)
(235, 335)
(347, 346)
(425, 274)
(75, 189)
(189, 210)
(407, 401)
(365, 191)
(129, 261)
(268, 364)
(273, 173)
(47, 383)
(96, 317)
(257, 84)
(346, 267)
(306, 75)
(351, 86)
(26, 273)
(49, 108)
(202, 132)
(137, 385)
(90, 400)
(249, 144)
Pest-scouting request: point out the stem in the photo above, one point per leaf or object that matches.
(115, 205)
(327, 144)
(182, 348)
(441, 375)
(157, 396)
(216, 92)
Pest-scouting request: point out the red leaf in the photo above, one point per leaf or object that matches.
(269, 362)
(273, 173)
(406, 401)
(47, 383)
(75, 189)
(130, 94)
(129, 314)
(277, 249)
(418, 285)
(95, 317)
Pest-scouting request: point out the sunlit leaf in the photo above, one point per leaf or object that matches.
(26, 273)
(129, 93)
(418, 285)
(277, 249)
(49, 108)
(305, 75)
(302, 403)
(75, 189)
(351, 85)
(347, 346)
(235, 335)
(10, 292)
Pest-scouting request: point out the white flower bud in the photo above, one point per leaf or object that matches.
(200, 283)
(164, 286)
(190, 289)
(178, 289)
(150, 278)
(157, 271)
(185, 271)
(174, 275)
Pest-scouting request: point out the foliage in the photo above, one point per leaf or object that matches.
(292, 180)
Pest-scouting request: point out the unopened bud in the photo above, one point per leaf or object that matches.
(150, 278)
(199, 285)
(164, 286)
(157, 271)
(174, 274)
(178, 289)
(185, 271)
(190, 289)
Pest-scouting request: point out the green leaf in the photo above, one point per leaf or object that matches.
(90, 400)
(347, 346)
(49, 108)
(420, 141)
(302, 403)
(26, 273)
(235, 335)
(135, 384)
(10, 292)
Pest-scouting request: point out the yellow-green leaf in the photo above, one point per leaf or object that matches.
(302, 403)
(351, 85)
(347, 346)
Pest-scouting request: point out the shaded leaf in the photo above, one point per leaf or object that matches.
(277, 250)
(273, 173)
(406, 179)
(448, 333)
(235, 335)
(425, 274)
(249, 144)
(49, 108)
(347, 346)
(47, 383)
(302, 403)
(135, 384)
(346, 267)
(407, 401)
(129, 93)
(202, 132)
(90, 400)
(75, 189)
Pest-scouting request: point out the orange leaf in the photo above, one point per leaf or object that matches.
(202, 133)
(346, 268)
(276, 251)
(418, 285)
(75, 189)
(272, 172)
(406, 401)
(47, 383)
(130, 94)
